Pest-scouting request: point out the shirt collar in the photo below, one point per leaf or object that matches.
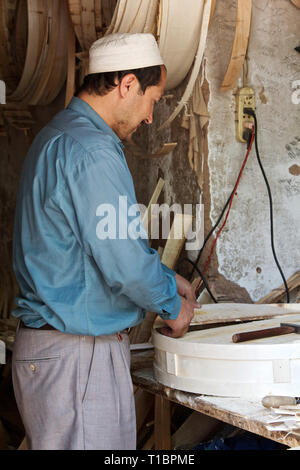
(83, 108)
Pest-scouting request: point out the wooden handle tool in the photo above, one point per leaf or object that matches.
(267, 332)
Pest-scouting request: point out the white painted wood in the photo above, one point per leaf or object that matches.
(178, 48)
(208, 362)
(196, 67)
(219, 313)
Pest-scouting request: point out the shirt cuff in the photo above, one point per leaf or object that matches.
(174, 308)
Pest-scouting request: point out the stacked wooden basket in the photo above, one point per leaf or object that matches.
(38, 49)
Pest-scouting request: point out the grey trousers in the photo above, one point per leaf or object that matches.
(74, 392)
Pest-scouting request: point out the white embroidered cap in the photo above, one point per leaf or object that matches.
(124, 51)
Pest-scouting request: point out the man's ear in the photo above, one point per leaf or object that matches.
(126, 84)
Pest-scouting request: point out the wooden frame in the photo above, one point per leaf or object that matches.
(240, 44)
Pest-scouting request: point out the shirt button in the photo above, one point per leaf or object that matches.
(32, 367)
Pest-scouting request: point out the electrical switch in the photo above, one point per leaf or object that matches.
(245, 98)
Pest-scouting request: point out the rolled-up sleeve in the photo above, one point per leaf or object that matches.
(101, 191)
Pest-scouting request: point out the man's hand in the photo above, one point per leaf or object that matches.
(184, 288)
(178, 327)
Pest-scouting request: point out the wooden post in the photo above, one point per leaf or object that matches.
(162, 423)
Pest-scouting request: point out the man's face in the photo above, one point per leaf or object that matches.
(138, 107)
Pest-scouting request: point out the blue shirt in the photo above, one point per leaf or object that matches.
(70, 275)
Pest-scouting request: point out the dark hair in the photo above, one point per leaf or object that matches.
(102, 83)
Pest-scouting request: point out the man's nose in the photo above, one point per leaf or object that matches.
(149, 119)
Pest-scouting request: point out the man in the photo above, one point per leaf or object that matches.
(79, 290)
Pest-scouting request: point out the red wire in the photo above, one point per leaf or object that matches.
(227, 214)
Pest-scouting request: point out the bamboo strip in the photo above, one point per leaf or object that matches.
(177, 236)
(165, 149)
(88, 24)
(70, 85)
(109, 11)
(197, 64)
(8, 69)
(150, 24)
(20, 36)
(117, 17)
(296, 3)
(75, 12)
(277, 294)
(98, 18)
(240, 44)
(134, 17)
(58, 72)
(36, 44)
(54, 71)
(146, 220)
(178, 48)
(213, 7)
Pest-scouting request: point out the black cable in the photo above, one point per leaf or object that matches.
(202, 277)
(209, 235)
(252, 113)
(219, 218)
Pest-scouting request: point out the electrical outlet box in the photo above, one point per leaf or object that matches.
(245, 98)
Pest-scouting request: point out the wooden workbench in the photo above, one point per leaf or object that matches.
(241, 413)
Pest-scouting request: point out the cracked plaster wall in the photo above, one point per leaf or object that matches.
(244, 250)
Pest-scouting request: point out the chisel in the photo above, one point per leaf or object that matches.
(283, 329)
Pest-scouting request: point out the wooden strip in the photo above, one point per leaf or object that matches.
(8, 68)
(149, 443)
(213, 7)
(58, 74)
(264, 333)
(143, 404)
(196, 428)
(240, 44)
(196, 67)
(150, 24)
(20, 35)
(146, 220)
(98, 18)
(25, 90)
(276, 294)
(296, 3)
(70, 85)
(166, 149)
(19, 118)
(36, 44)
(139, 23)
(178, 48)
(231, 313)
(162, 423)
(134, 18)
(117, 17)
(75, 12)
(109, 14)
(36, 51)
(55, 69)
(23, 445)
(176, 239)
